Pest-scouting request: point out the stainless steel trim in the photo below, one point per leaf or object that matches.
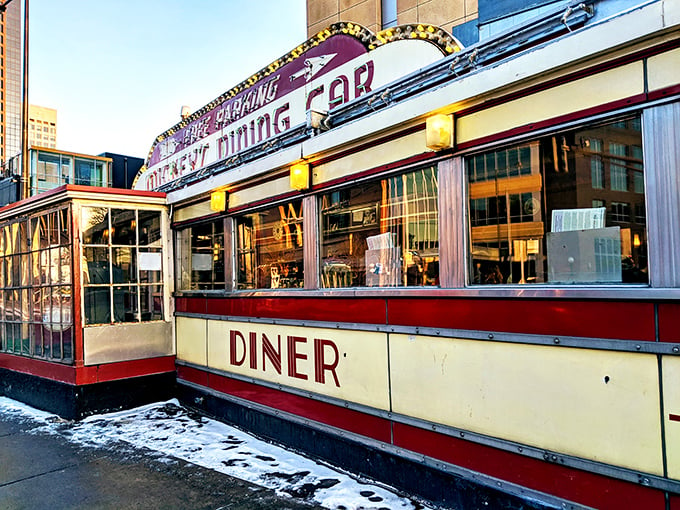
(310, 229)
(601, 344)
(661, 154)
(229, 254)
(474, 476)
(629, 475)
(451, 219)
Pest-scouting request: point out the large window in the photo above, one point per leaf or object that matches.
(122, 265)
(36, 285)
(269, 248)
(541, 217)
(382, 233)
(200, 252)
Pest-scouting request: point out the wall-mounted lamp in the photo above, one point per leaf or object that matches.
(317, 119)
(439, 132)
(299, 176)
(636, 240)
(218, 201)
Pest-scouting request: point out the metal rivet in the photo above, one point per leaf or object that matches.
(556, 340)
(676, 349)
(638, 347)
(490, 336)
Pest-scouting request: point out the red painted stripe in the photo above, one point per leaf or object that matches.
(674, 417)
(579, 486)
(669, 322)
(665, 92)
(535, 126)
(135, 368)
(192, 375)
(39, 368)
(328, 309)
(335, 416)
(597, 319)
(674, 502)
(190, 304)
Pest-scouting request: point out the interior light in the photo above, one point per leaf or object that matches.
(218, 201)
(299, 176)
(636, 240)
(439, 132)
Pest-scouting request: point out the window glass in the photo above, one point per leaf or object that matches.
(119, 265)
(384, 233)
(35, 274)
(555, 219)
(269, 248)
(149, 228)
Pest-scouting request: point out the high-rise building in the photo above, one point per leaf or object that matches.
(10, 81)
(468, 20)
(42, 127)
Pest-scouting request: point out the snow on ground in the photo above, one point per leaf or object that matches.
(175, 432)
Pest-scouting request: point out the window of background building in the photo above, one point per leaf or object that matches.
(546, 221)
(389, 13)
(200, 257)
(36, 286)
(269, 248)
(382, 233)
(122, 265)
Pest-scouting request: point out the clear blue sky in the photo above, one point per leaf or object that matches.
(119, 71)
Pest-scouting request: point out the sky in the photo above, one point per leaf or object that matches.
(119, 71)
(167, 429)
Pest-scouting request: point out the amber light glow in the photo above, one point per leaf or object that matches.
(439, 132)
(218, 201)
(299, 176)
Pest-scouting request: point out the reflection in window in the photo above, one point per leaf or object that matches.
(36, 286)
(383, 233)
(120, 270)
(269, 251)
(554, 220)
(200, 257)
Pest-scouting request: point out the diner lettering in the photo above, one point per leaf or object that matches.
(259, 352)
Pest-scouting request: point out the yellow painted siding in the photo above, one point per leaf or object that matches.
(589, 92)
(191, 340)
(260, 192)
(373, 157)
(597, 405)
(361, 369)
(671, 404)
(193, 211)
(663, 70)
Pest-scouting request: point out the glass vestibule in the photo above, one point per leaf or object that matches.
(36, 286)
(564, 209)
(122, 265)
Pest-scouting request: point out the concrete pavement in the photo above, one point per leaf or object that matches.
(45, 471)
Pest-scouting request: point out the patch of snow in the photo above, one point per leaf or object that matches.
(177, 433)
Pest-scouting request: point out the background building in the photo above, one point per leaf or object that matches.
(10, 81)
(468, 20)
(42, 127)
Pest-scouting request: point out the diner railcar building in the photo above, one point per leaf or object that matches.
(452, 269)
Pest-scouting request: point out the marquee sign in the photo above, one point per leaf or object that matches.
(339, 64)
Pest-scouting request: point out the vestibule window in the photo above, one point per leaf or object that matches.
(269, 248)
(542, 212)
(200, 252)
(382, 233)
(36, 285)
(122, 265)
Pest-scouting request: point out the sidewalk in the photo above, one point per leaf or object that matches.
(45, 471)
(163, 455)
